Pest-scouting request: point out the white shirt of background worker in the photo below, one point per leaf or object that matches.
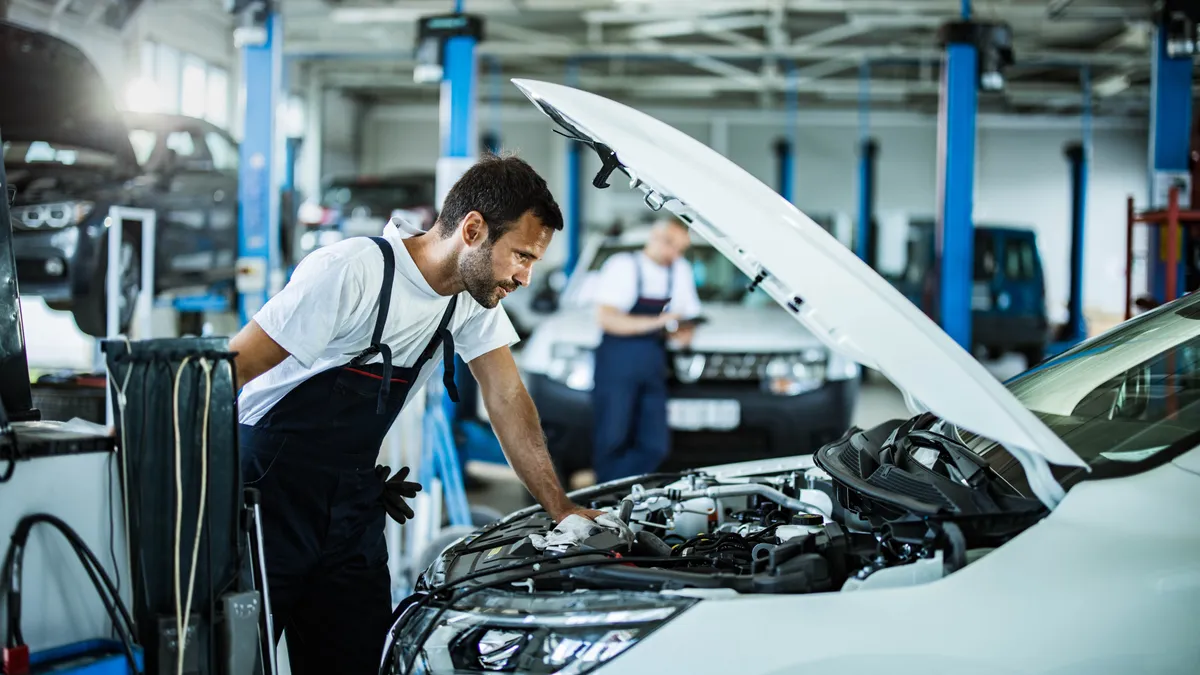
(616, 287)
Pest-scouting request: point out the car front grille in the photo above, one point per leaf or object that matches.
(731, 367)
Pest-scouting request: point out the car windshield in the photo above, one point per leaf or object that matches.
(717, 279)
(54, 154)
(378, 199)
(1119, 399)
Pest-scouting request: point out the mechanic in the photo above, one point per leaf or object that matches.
(329, 362)
(629, 399)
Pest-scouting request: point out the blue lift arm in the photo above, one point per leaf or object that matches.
(1170, 143)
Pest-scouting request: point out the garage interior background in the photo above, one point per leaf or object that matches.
(357, 61)
(350, 94)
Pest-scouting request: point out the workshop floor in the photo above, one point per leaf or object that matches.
(878, 401)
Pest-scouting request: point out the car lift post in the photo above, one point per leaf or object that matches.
(1170, 141)
(574, 189)
(868, 152)
(1079, 156)
(785, 147)
(261, 39)
(956, 182)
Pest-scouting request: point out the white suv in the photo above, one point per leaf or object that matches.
(754, 384)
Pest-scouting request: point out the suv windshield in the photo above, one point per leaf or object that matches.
(379, 199)
(1117, 400)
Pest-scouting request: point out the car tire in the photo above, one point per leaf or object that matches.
(90, 308)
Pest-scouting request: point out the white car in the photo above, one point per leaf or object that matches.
(1044, 526)
(736, 394)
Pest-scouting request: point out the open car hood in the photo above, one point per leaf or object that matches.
(845, 303)
(50, 91)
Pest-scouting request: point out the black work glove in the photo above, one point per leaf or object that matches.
(395, 491)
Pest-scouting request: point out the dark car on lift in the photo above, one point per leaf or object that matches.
(70, 156)
(361, 205)
(1008, 298)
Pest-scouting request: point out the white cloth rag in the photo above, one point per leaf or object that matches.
(575, 528)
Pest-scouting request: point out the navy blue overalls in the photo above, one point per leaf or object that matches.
(313, 457)
(629, 400)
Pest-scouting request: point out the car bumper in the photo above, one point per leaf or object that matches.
(38, 253)
(771, 426)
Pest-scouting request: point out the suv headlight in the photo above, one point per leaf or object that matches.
(795, 374)
(506, 632)
(53, 216)
(572, 365)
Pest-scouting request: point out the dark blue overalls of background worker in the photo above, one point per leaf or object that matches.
(329, 362)
(642, 297)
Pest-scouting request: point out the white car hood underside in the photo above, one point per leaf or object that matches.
(844, 303)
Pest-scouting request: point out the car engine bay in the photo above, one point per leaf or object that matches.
(782, 532)
(900, 504)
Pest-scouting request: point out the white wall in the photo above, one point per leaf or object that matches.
(1021, 174)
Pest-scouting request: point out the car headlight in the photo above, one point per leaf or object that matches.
(795, 374)
(508, 632)
(572, 365)
(53, 216)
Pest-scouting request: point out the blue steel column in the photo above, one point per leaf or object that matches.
(258, 219)
(459, 145)
(1170, 142)
(785, 148)
(574, 190)
(866, 168)
(1079, 157)
(956, 143)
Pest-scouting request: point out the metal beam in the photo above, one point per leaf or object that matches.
(694, 26)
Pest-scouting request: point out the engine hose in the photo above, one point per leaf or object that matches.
(741, 490)
(956, 557)
(626, 510)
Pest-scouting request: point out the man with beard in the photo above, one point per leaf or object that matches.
(329, 362)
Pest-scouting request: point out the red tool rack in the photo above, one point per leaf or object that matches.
(1171, 220)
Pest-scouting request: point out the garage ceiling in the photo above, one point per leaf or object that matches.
(739, 53)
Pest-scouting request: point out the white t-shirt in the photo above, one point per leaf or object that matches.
(617, 284)
(326, 315)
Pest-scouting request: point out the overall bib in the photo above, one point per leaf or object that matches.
(313, 457)
(629, 400)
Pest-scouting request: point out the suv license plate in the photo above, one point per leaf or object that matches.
(692, 414)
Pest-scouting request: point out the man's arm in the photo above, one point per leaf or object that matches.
(615, 322)
(515, 420)
(256, 353)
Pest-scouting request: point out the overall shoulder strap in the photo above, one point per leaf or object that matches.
(378, 346)
(442, 336)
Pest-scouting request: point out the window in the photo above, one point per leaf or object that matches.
(175, 82)
(183, 144)
(194, 88)
(1019, 259)
(166, 78)
(224, 154)
(144, 142)
(985, 257)
(217, 110)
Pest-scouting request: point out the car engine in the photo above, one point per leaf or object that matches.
(778, 533)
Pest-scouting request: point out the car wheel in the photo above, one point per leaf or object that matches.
(90, 309)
